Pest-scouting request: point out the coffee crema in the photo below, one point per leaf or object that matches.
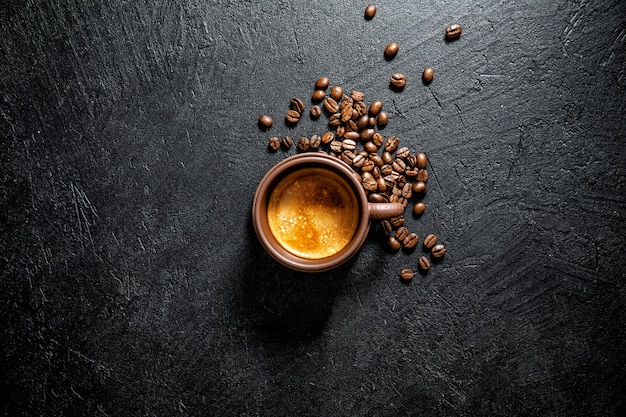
(313, 213)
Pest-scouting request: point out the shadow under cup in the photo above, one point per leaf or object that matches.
(328, 173)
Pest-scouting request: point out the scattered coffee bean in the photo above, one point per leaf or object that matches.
(419, 208)
(303, 144)
(328, 137)
(331, 105)
(422, 175)
(398, 81)
(318, 95)
(392, 143)
(419, 187)
(438, 251)
(401, 233)
(292, 116)
(407, 190)
(397, 221)
(265, 121)
(370, 11)
(428, 74)
(357, 95)
(287, 141)
(336, 146)
(274, 143)
(423, 263)
(315, 141)
(453, 31)
(429, 241)
(375, 107)
(369, 183)
(407, 274)
(297, 105)
(316, 111)
(349, 144)
(322, 83)
(420, 160)
(391, 50)
(387, 228)
(336, 93)
(403, 153)
(410, 241)
(393, 243)
(382, 119)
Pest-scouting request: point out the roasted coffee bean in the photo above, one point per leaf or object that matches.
(367, 134)
(397, 191)
(382, 184)
(336, 146)
(346, 113)
(287, 142)
(349, 144)
(360, 108)
(411, 159)
(303, 144)
(378, 139)
(357, 95)
(407, 274)
(357, 176)
(386, 170)
(438, 251)
(335, 119)
(398, 80)
(403, 153)
(362, 122)
(430, 241)
(382, 119)
(391, 50)
(419, 187)
(328, 137)
(318, 95)
(403, 201)
(351, 126)
(364, 153)
(265, 121)
(322, 83)
(315, 141)
(345, 102)
(372, 121)
(422, 175)
(358, 161)
(352, 135)
(419, 208)
(427, 75)
(274, 143)
(407, 191)
(397, 221)
(453, 31)
(411, 172)
(368, 165)
(330, 104)
(410, 241)
(387, 157)
(377, 198)
(378, 161)
(341, 130)
(420, 160)
(375, 107)
(400, 179)
(370, 11)
(370, 147)
(423, 263)
(394, 198)
(401, 233)
(292, 116)
(297, 105)
(393, 243)
(387, 228)
(336, 93)
(369, 183)
(316, 111)
(392, 143)
(398, 165)
(347, 157)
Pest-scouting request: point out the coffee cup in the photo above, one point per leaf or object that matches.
(311, 213)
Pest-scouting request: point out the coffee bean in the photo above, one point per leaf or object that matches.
(303, 144)
(378, 161)
(292, 116)
(387, 228)
(429, 241)
(357, 95)
(403, 153)
(336, 93)
(393, 243)
(382, 184)
(328, 137)
(398, 165)
(358, 161)
(370, 147)
(375, 107)
(382, 119)
(315, 111)
(419, 208)
(331, 105)
(423, 263)
(391, 50)
(349, 144)
(322, 83)
(346, 113)
(362, 122)
(438, 251)
(265, 121)
(453, 32)
(318, 95)
(351, 126)
(367, 134)
(372, 121)
(378, 139)
(368, 165)
(401, 233)
(347, 157)
(297, 105)
(398, 81)
(411, 172)
(395, 190)
(392, 143)
(428, 74)
(336, 146)
(407, 191)
(370, 11)
(287, 142)
(420, 160)
(407, 274)
(411, 159)
(274, 143)
(397, 221)
(341, 130)
(410, 241)
(335, 119)
(369, 183)
(361, 108)
(377, 198)
(422, 175)
(315, 141)
(419, 187)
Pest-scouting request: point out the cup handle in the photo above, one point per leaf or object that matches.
(382, 211)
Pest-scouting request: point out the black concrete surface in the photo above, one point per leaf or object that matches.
(131, 281)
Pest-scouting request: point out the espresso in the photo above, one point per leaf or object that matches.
(313, 213)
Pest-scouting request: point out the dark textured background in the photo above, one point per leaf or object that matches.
(131, 280)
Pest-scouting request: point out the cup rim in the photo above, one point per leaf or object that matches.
(261, 225)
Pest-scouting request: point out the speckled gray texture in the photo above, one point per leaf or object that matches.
(131, 281)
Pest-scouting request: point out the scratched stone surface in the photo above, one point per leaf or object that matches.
(131, 280)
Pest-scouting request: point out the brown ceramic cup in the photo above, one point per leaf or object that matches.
(311, 213)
